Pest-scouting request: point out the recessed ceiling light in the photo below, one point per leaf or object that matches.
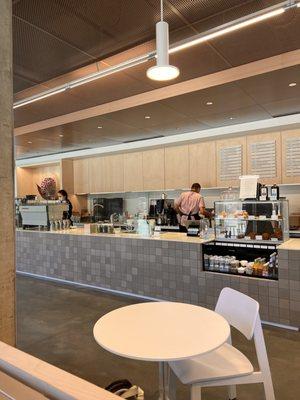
(231, 118)
(292, 84)
(29, 142)
(99, 127)
(61, 135)
(209, 103)
(147, 117)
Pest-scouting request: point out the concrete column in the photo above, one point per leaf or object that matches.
(7, 223)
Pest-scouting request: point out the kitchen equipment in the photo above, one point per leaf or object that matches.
(40, 214)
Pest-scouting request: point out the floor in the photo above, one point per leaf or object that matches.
(55, 323)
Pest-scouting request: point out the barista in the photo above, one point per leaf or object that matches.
(189, 205)
(63, 196)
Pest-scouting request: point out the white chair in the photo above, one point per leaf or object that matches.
(227, 366)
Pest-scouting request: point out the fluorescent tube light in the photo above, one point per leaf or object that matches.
(111, 70)
(22, 103)
(231, 28)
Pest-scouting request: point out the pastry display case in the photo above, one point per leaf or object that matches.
(252, 221)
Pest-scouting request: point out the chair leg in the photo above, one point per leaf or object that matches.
(195, 392)
(232, 392)
(269, 390)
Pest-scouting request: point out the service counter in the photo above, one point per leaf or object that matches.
(168, 267)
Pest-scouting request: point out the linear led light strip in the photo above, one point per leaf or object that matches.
(214, 33)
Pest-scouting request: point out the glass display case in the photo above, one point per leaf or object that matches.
(264, 222)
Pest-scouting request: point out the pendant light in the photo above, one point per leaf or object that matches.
(162, 71)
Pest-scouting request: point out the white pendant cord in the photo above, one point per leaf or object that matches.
(161, 10)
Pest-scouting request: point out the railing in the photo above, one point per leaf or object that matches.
(46, 381)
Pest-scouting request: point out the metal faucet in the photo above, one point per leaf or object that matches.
(95, 206)
(111, 218)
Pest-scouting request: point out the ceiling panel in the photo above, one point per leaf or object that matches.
(225, 98)
(283, 107)
(236, 116)
(275, 36)
(137, 116)
(177, 127)
(42, 55)
(272, 87)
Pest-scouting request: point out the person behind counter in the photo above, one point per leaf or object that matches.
(63, 196)
(189, 205)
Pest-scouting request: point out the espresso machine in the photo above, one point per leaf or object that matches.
(163, 212)
(38, 215)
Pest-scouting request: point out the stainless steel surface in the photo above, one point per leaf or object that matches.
(40, 215)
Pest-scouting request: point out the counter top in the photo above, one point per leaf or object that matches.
(291, 244)
(169, 236)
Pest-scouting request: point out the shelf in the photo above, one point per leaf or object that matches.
(250, 201)
(252, 242)
(270, 278)
(247, 219)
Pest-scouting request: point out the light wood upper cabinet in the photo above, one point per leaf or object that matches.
(154, 169)
(264, 157)
(231, 161)
(290, 156)
(116, 173)
(202, 158)
(106, 174)
(81, 176)
(133, 172)
(67, 175)
(177, 167)
(96, 175)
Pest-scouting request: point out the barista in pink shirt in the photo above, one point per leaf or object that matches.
(189, 205)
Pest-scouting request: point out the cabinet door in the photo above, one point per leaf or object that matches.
(67, 175)
(290, 156)
(231, 161)
(133, 172)
(203, 164)
(177, 167)
(154, 169)
(116, 173)
(264, 157)
(106, 174)
(96, 175)
(81, 176)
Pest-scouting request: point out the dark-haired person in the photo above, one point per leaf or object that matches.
(189, 205)
(63, 196)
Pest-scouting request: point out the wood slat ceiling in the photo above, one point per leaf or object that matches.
(251, 99)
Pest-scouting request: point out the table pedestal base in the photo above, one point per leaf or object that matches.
(166, 392)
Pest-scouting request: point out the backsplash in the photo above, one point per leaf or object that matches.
(131, 199)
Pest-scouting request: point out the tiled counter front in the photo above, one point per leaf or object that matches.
(153, 268)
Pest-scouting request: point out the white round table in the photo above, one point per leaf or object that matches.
(161, 332)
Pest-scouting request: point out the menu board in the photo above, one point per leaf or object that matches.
(292, 157)
(263, 159)
(230, 163)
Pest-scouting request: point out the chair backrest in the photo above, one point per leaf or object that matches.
(239, 310)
